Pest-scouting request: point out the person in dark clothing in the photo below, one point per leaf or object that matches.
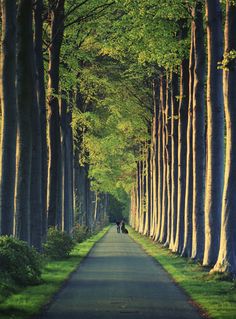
(118, 226)
(122, 227)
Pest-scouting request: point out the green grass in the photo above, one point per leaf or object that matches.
(30, 300)
(215, 294)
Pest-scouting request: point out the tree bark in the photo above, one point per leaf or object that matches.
(187, 245)
(168, 114)
(54, 170)
(163, 229)
(174, 157)
(159, 164)
(227, 254)
(198, 136)
(26, 100)
(41, 95)
(154, 162)
(215, 133)
(9, 116)
(182, 150)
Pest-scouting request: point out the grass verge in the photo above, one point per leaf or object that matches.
(213, 293)
(29, 301)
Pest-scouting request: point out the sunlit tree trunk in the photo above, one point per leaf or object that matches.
(227, 254)
(182, 150)
(38, 20)
(137, 197)
(215, 133)
(174, 157)
(8, 108)
(182, 143)
(198, 137)
(187, 245)
(54, 169)
(147, 194)
(168, 114)
(163, 229)
(25, 99)
(154, 157)
(160, 160)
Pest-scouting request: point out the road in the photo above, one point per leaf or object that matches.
(119, 280)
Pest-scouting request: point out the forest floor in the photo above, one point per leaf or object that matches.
(28, 301)
(119, 280)
(214, 294)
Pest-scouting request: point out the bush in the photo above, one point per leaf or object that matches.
(19, 262)
(80, 233)
(58, 245)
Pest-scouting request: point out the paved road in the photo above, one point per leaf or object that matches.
(117, 281)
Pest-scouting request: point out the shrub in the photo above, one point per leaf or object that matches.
(19, 262)
(58, 245)
(80, 233)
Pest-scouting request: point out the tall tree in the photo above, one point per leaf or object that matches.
(54, 170)
(174, 157)
(198, 125)
(215, 133)
(8, 125)
(163, 229)
(67, 164)
(227, 254)
(41, 97)
(187, 245)
(159, 163)
(26, 100)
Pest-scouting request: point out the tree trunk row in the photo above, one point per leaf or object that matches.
(191, 188)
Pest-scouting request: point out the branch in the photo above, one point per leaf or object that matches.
(93, 13)
(72, 9)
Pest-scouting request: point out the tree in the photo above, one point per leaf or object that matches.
(54, 169)
(215, 133)
(41, 97)
(187, 245)
(9, 116)
(182, 148)
(26, 100)
(198, 131)
(226, 261)
(174, 157)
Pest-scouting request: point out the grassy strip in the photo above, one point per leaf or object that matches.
(213, 293)
(30, 300)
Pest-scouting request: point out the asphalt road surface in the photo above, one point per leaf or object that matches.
(118, 280)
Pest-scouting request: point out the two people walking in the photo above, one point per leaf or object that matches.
(121, 227)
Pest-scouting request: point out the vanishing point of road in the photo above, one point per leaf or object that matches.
(118, 280)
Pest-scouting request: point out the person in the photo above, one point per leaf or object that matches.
(118, 226)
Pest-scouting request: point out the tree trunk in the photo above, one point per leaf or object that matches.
(54, 170)
(154, 164)
(160, 161)
(215, 133)
(38, 11)
(163, 229)
(147, 194)
(227, 254)
(198, 137)
(26, 100)
(168, 146)
(182, 150)
(187, 245)
(36, 213)
(8, 108)
(174, 157)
